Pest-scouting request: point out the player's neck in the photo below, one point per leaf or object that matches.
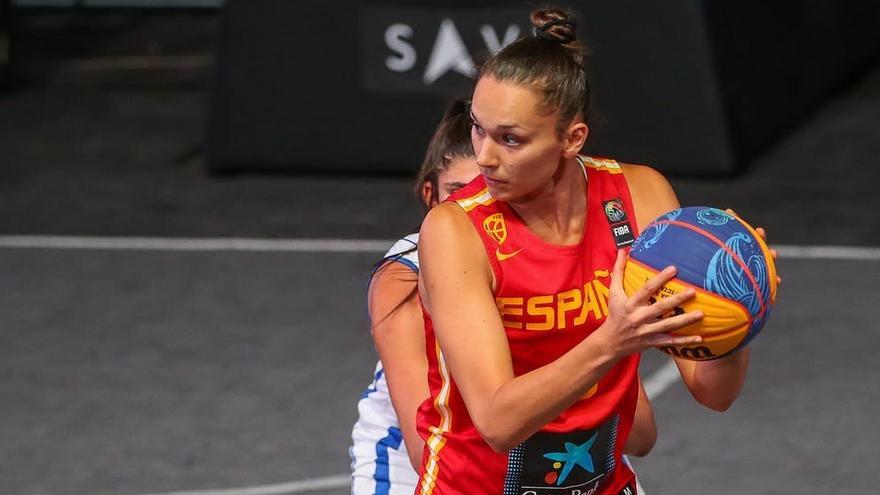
(556, 212)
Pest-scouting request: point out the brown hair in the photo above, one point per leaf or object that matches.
(552, 62)
(451, 141)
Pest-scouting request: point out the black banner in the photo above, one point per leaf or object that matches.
(431, 50)
(358, 85)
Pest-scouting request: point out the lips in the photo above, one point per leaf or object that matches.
(494, 182)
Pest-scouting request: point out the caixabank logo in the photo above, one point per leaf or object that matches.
(432, 49)
(575, 463)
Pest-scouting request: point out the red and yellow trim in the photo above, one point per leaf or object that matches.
(482, 198)
(604, 164)
(437, 440)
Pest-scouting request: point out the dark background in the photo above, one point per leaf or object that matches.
(154, 371)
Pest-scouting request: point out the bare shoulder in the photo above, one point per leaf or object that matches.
(442, 217)
(651, 193)
(447, 228)
(644, 180)
(392, 279)
(451, 249)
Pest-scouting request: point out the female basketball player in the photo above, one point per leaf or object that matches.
(534, 376)
(386, 445)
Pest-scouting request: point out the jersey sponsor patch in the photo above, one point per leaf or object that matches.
(574, 463)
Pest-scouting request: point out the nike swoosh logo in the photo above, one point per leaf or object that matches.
(505, 256)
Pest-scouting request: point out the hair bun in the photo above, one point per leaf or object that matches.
(554, 25)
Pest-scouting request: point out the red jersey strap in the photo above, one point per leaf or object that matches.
(610, 187)
(485, 215)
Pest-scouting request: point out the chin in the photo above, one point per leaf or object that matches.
(499, 193)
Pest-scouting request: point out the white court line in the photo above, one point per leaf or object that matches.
(328, 245)
(323, 483)
(828, 252)
(657, 383)
(195, 244)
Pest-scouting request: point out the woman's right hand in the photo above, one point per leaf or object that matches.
(635, 323)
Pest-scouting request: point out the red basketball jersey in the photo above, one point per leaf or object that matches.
(550, 297)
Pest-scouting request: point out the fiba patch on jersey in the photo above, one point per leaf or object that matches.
(614, 211)
(574, 463)
(621, 229)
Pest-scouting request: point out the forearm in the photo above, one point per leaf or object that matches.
(414, 447)
(524, 404)
(406, 396)
(716, 384)
(643, 434)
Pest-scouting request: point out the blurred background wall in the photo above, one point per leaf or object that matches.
(696, 87)
(693, 87)
(133, 123)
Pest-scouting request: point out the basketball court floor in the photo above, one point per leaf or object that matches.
(138, 360)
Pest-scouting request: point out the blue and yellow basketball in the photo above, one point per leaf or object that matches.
(724, 260)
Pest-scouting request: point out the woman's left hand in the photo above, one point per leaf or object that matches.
(763, 233)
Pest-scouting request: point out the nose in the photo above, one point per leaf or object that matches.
(485, 154)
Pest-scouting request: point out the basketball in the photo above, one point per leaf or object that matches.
(724, 260)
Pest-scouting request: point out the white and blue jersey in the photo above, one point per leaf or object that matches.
(379, 460)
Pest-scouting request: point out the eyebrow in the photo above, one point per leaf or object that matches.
(456, 184)
(500, 126)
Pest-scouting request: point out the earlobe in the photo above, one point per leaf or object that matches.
(428, 194)
(576, 138)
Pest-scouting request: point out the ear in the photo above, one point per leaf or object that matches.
(575, 137)
(428, 194)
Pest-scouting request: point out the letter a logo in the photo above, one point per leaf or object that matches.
(494, 225)
(449, 53)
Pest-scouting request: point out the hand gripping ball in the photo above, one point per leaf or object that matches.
(724, 260)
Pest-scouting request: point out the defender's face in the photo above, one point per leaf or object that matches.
(515, 141)
(458, 174)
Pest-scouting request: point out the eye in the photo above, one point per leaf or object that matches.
(477, 129)
(510, 140)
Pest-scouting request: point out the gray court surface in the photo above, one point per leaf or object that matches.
(138, 371)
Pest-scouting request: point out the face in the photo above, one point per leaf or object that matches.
(517, 146)
(457, 174)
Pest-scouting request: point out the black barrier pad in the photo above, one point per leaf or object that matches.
(688, 87)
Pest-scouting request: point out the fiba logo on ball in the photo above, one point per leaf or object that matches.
(724, 260)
